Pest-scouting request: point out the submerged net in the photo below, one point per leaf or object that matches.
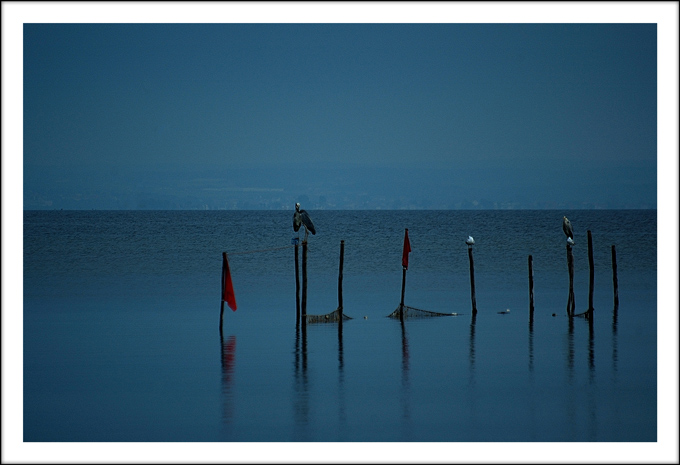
(412, 312)
(332, 317)
(587, 314)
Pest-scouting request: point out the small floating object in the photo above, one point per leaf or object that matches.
(454, 314)
(554, 314)
(470, 241)
(365, 318)
(507, 310)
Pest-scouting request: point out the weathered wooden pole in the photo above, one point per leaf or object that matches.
(403, 289)
(404, 265)
(221, 316)
(342, 255)
(592, 274)
(224, 271)
(616, 279)
(571, 305)
(472, 280)
(297, 284)
(304, 283)
(531, 288)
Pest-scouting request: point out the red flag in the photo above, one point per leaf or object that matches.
(407, 249)
(227, 287)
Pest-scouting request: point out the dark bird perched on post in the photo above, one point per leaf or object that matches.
(301, 218)
(568, 230)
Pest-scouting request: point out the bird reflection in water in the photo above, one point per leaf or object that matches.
(228, 358)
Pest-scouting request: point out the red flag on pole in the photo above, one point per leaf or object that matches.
(407, 249)
(227, 287)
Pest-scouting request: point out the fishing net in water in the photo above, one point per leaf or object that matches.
(587, 314)
(412, 312)
(332, 317)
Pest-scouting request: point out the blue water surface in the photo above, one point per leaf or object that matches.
(122, 340)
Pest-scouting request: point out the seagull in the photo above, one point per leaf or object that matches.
(570, 241)
(566, 227)
(470, 241)
(301, 217)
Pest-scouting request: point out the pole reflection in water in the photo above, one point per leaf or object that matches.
(531, 346)
(228, 357)
(571, 407)
(472, 392)
(615, 345)
(591, 349)
(405, 384)
(592, 402)
(301, 388)
(570, 350)
(581, 394)
(473, 322)
(532, 398)
(615, 362)
(341, 386)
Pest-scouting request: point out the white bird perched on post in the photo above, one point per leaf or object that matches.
(470, 241)
(301, 218)
(570, 241)
(566, 227)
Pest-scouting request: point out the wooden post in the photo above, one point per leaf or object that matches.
(342, 256)
(616, 279)
(297, 284)
(403, 289)
(404, 264)
(592, 274)
(304, 283)
(571, 304)
(221, 316)
(472, 281)
(224, 270)
(531, 288)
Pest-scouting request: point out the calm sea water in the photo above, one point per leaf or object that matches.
(122, 341)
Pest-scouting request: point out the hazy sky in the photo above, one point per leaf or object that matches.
(340, 115)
